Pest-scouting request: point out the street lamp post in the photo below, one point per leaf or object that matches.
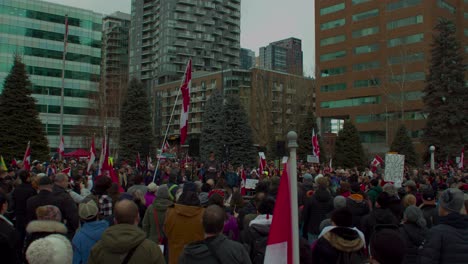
(431, 150)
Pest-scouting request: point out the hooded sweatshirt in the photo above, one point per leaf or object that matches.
(182, 226)
(339, 245)
(154, 232)
(85, 238)
(118, 240)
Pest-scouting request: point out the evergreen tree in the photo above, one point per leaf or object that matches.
(403, 145)
(446, 96)
(305, 139)
(238, 134)
(348, 148)
(211, 139)
(135, 123)
(19, 117)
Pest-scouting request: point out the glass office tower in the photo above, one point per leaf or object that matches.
(35, 30)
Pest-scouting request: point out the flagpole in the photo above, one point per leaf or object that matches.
(62, 93)
(292, 145)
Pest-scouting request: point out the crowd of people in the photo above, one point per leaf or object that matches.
(192, 212)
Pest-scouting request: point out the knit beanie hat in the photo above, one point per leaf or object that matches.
(414, 215)
(163, 192)
(339, 202)
(390, 189)
(452, 200)
(189, 187)
(49, 212)
(152, 187)
(53, 249)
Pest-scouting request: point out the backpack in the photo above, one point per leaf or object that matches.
(258, 249)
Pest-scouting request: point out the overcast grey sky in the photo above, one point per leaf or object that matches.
(262, 22)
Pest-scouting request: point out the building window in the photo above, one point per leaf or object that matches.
(351, 102)
(333, 24)
(408, 58)
(408, 77)
(366, 66)
(366, 83)
(332, 9)
(372, 136)
(365, 32)
(444, 4)
(406, 96)
(465, 15)
(332, 71)
(405, 22)
(332, 40)
(366, 15)
(213, 83)
(357, 2)
(411, 115)
(333, 87)
(366, 49)
(333, 55)
(402, 4)
(405, 40)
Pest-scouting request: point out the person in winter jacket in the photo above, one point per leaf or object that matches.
(90, 232)
(183, 223)
(150, 195)
(413, 232)
(429, 208)
(386, 247)
(10, 248)
(153, 223)
(125, 240)
(339, 243)
(374, 191)
(358, 207)
(215, 248)
(447, 242)
(315, 211)
(51, 249)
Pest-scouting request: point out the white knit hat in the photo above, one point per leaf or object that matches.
(53, 249)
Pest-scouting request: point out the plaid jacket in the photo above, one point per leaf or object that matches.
(105, 205)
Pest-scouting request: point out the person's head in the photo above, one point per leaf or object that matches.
(206, 188)
(258, 198)
(212, 156)
(49, 212)
(44, 183)
(210, 182)
(408, 200)
(24, 176)
(61, 179)
(88, 211)
(266, 206)
(152, 187)
(342, 217)
(339, 202)
(213, 220)
(383, 200)
(410, 186)
(216, 199)
(52, 249)
(189, 198)
(138, 179)
(126, 212)
(3, 203)
(390, 189)
(139, 197)
(387, 247)
(102, 184)
(374, 182)
(451, 201)
(414, 215)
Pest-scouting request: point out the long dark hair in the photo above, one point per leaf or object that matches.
(189, 198)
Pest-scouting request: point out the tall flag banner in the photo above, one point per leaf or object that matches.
(243, 181)
(138, 161)
(315, 145)
(27, 157)
(66, 171)
(185, 90)
(92, 155)
(377, 161)
(61, 148)
(262, 162)
(461, 165)
(279, 248)
(166, 147)
(13, 162)
(2, 164)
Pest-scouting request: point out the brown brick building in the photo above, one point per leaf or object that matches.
(372, 58)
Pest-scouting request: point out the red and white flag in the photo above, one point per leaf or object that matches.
(262, 162)
(138, 161)
(66, 171)
(377, 161)
(92, 155)
(243, 181)
(61, 148)
(166, 147)
(279, 248)
(27, 157)
(315, 145)
(185, 90)
(461, 165)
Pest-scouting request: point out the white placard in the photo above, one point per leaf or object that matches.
(250, 183)
(312, 159)
(394, 168)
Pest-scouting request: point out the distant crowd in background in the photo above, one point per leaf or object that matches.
(199, 212)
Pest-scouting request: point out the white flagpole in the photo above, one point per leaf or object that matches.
(292, 145)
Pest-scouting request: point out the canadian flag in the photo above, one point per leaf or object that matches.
(66, 171)
(185, 89)
(166, 147)
(262, 162)
(61, 148)
(376, 162)
(243, 180)
(92, 155)
(27, 157)
(138, 161)
(315, 145)
(280, 239)
(461, 165)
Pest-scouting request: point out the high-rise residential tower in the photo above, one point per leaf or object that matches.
(372, 58)
(283, 55)
(165, 34)
(35, 30)
(247, 59)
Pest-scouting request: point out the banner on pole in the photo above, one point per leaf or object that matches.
(394, 168)
(312, 159)
(250, 184)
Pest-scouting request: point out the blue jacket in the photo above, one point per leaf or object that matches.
(85, 238)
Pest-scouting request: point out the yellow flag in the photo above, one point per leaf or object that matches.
(2, 164)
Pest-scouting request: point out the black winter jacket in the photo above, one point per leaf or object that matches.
(341, 245)
(378, 216)
(446, 243)
(315, 211)
(10, 250)
(358, 207)
(431, 214)
(414, 236)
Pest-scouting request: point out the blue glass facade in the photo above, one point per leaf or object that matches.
(35, 30)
